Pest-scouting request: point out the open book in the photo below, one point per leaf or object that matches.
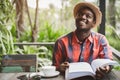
(80, 69)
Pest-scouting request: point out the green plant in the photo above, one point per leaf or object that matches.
(49, 34)
(25, 49)
(6, 41)
(112, 37)
(6, 8)
(117, 68)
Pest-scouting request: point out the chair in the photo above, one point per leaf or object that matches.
(24, 61)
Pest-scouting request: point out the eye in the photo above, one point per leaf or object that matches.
(78, 15)
(81, 14)
(89, 16)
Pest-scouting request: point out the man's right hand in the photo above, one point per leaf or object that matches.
(64, 66)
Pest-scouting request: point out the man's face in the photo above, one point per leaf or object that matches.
(85, 19)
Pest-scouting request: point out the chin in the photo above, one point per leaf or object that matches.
(83, 29)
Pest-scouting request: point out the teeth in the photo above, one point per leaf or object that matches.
(82, 22)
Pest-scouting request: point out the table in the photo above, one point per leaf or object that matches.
(114, 75)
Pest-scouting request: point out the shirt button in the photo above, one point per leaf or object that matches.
(81, 57)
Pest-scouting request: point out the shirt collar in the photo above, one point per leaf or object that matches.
(75, 39)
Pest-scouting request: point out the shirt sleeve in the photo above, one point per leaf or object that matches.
(105, 51)
(58, 54)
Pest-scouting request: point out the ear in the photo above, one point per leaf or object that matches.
(94, 23)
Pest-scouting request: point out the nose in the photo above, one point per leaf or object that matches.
(84, 16)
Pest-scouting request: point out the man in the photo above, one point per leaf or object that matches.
(83, 45)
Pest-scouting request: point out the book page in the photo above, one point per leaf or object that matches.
(101, 63)
(79, 69)
(79, 66)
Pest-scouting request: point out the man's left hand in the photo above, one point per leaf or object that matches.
(102, 71)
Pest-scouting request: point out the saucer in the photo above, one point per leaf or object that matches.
(56, 73)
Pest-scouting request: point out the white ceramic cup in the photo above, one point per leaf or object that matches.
(48, 70)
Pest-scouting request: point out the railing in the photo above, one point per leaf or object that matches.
(36, 43)
(116, 53)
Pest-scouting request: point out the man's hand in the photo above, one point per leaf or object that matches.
(102, 71)
(64, 66)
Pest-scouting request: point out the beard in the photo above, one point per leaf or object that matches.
(83, 29)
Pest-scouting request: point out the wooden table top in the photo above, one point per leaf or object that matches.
(114, 75)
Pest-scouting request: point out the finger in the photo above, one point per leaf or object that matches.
(102, 69)
(66, 64)
(62, 67)
(99, 73)
(107, 68)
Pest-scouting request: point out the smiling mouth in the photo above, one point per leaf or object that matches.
(82, 23)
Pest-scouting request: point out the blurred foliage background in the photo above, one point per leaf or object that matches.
(21, 23)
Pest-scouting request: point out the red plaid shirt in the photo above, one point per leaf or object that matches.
(68, 48)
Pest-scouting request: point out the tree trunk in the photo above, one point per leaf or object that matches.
(28, 13)
(111, 12)
(20, 17)
(35, 28)
(102, 4)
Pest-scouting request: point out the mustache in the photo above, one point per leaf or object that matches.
(80, 19)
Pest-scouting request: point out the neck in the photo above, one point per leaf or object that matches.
(82, 35)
